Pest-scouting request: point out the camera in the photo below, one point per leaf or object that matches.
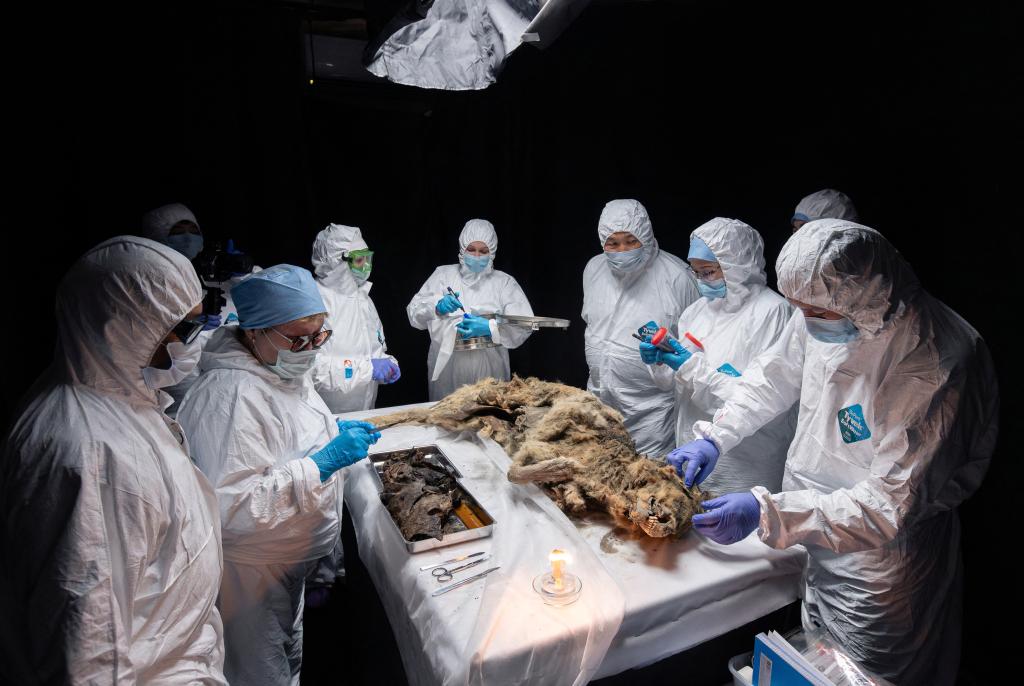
(215, 265)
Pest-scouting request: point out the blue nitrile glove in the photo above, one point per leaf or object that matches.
(729, 518)
(385, 370)
(348, 447)
(472, 326)
(317, 597)
(648, 353)
(676, 359)
(448, 304)
(210, 321)
(700, 457)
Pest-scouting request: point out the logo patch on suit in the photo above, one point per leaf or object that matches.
(348, 369)
(852, 425)
(728, 369)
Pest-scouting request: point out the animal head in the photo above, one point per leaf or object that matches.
(652, 516)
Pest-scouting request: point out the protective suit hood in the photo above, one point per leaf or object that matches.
(739, 250)
(827, 203)
(333, 244)
(850, 269)
(477, 230)
(156, 224)
(114, 307)
(629, 216)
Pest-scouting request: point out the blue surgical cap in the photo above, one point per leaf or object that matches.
(280, 294)
(700, 250)
(799, 217)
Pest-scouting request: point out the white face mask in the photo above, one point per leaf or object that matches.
(184, 359)
(625, 261)
(292, 365)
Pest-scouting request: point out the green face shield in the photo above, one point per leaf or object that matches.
(360, 262)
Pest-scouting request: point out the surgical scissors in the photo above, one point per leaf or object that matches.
(443, 574)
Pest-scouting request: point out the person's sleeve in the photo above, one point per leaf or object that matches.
(932, 442)
(711, 388)
(421, 307)
(513, 301)
(236, 438)
(769, 386)
(85, 548)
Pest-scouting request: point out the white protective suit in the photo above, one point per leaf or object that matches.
(487, 291)
(157, 223)
(614, 307)
(896, 429)
(827, 203)
(111, 535)
(252, 433)
(733, 330)
(344, 373)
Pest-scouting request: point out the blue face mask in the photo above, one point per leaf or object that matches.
(831, 330)
(625, 261)
(188, 244)
(476, 264)
(712, 289)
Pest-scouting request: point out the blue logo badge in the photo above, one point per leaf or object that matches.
(852, 426)
(348, 369)
(729, 369)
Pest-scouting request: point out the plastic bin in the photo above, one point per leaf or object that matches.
(736, 664)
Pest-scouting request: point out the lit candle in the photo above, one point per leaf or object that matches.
(558, 559)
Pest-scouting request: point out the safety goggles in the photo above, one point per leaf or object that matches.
(707, 274)
(187, 330)
(314, 340)
(360, 259)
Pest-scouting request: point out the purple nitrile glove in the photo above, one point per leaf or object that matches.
(317, 597)
(385, 370)
(728, 518)
(210, 321)
(700, 457)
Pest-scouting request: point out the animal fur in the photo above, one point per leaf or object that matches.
(576, 448)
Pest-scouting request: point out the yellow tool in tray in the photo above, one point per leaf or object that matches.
(468, 517)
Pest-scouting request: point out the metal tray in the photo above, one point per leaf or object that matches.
(376, 463)
(525, 322)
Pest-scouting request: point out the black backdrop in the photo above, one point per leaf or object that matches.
(695, 109)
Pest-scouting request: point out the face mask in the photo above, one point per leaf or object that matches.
(188, 244)
(625, 261)
(712, 289)
(477, 264)
(184, 359)
(831, 330)
(361, 276)
(292, 365)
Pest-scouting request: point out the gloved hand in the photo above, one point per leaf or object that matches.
(652, 354)
(472, 326)
(448, 304)
(700, 457)
(673, 359)
(348, 447)
(210, 321)
(729, 518)
(385, 370)
(317, 597)
(649, 353)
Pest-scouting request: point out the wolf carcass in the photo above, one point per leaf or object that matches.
(576, 448)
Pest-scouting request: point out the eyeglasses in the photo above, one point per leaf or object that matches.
(187, 330)
(315, 340)
(706, 274)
